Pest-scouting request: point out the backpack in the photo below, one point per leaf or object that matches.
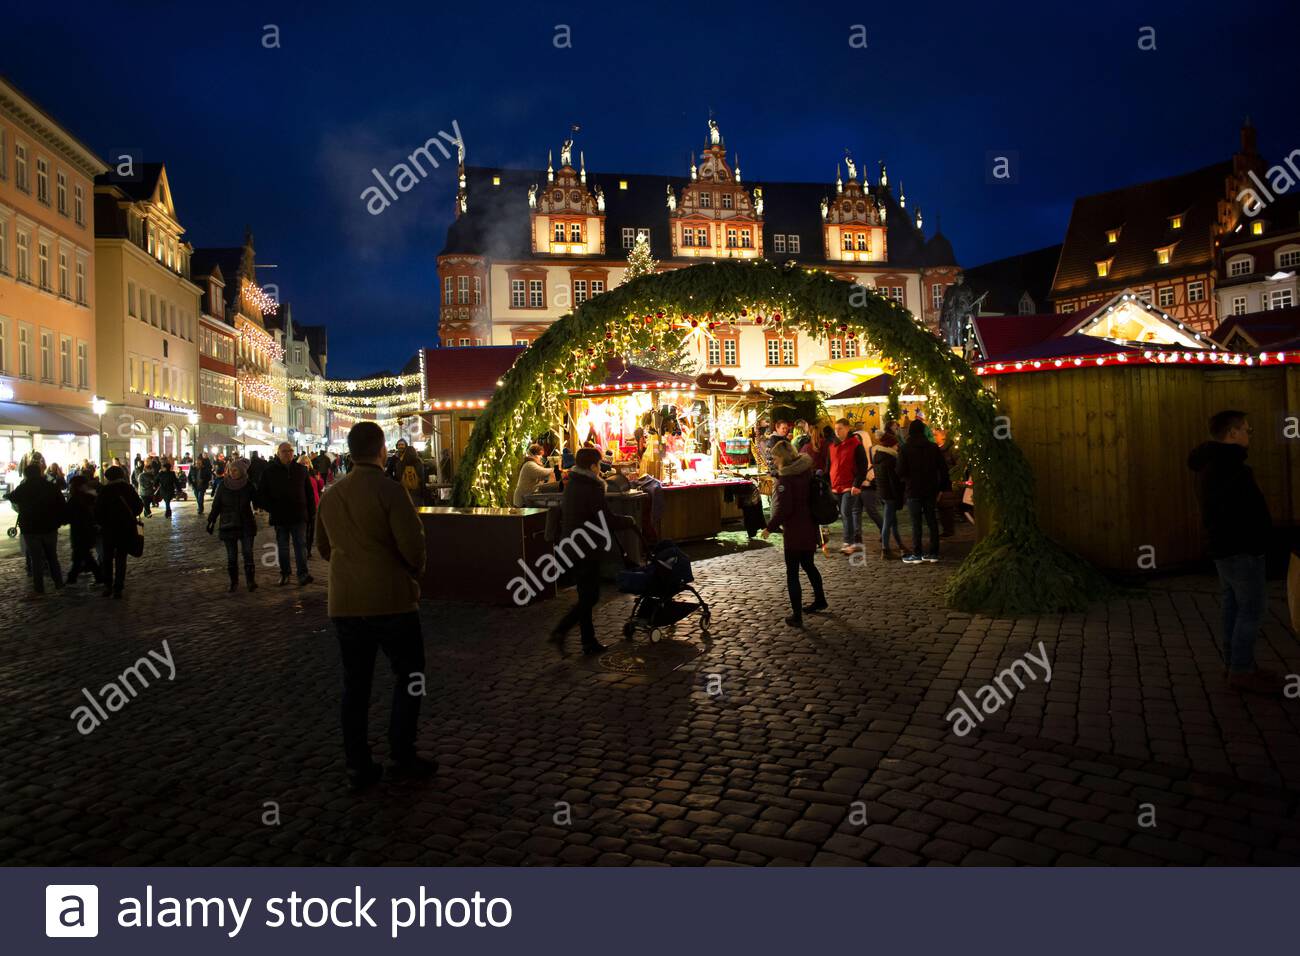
(821, 501)
(411, 479)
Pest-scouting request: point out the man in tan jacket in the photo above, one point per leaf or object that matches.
(368, 531)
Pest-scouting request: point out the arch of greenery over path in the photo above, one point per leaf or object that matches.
(1015, 568)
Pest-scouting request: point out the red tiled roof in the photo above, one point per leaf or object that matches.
(468, 374)
(1077, 345)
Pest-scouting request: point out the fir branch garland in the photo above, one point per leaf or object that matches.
(1014, 569)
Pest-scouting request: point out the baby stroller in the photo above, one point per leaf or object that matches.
(655, 584)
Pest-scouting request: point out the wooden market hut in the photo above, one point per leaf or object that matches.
(458, 383)
(1107, 426)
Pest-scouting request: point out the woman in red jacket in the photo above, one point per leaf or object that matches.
(792, 516)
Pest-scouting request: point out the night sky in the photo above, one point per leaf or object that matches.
(283, 140)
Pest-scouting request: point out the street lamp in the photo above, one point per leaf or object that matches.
(100, 407)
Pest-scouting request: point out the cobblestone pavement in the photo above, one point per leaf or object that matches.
(826, 746)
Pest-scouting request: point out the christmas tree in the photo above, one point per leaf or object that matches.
(639, 260)
(641, 263)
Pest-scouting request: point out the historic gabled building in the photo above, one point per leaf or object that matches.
(218, 415)
(1260, 259)
(529, 245)
(1016, 285)
(259, 358)
(1158, 238)
(147, 317)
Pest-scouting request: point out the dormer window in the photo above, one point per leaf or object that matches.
(1257, 227)
(496, 180)
(1175, 222)
(1241, 266)
(1112, 236)
(1164, 254)
(1103, 267)
(622, 184)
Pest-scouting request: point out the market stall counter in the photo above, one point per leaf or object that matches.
(475, 553)
(696, 509)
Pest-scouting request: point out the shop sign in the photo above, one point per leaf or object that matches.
(159, 405)
(717, 380)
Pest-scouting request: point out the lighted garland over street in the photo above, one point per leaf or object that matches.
(1013, 569)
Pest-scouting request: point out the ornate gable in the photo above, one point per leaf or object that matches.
(716, 216)
(853, 221)
(567, 217)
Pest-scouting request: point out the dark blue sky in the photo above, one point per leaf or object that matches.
(283, 139)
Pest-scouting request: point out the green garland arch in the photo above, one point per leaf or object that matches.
(1013, 569)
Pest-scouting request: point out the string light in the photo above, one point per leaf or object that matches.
(355, 385)
(261, 298)
(261, 341)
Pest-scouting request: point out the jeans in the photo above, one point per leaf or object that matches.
(402, 641)
(232, 557)
(923, 506)
(283, 533)
(890, 525)
(794, 560)
(199, 492)
(114, 566)
(44, 551)
(1242, 588)
(851, 516)
(870, 501)
(587, 574)
(167, 503)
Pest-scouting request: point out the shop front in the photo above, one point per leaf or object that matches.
(62, 435)
(162, 428)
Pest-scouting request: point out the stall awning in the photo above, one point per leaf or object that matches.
(627, 378)
(216, 438)
(869, 390)
(45, 419)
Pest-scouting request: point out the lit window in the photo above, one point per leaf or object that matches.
(1195, 291)
(1112, 236)
(622, 184)
(1163, 255)
(1166, 297)
(496, 180)
(1175, 222)
(1103, 267)
(1257, 228)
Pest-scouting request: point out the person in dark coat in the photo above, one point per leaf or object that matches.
(257, 466)
(168, 485)
(792, 516)
(889, 489)
(232, 508)
(41, 512)
(149, 486)
(83, 530)
(583, 507)
(116, 507)
(285, 493)
(201, 478)
(1238, 529)
(924, 474)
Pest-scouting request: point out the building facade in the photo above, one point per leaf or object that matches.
(47, 286)
(147, 317)
(305, 359)
(259, 358)
(527, 246)
(218, 414)
(1158, 238)
(1259, 262)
